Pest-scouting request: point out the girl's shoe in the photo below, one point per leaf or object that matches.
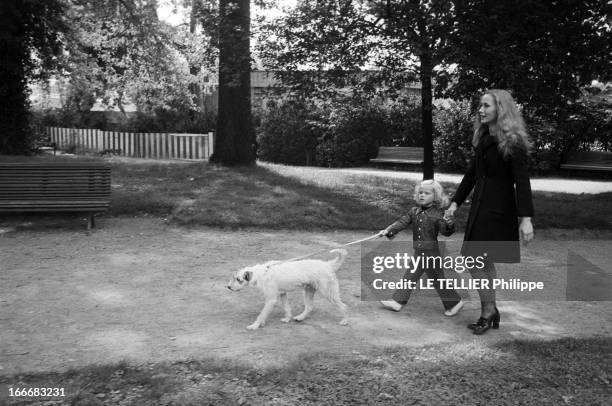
(392, 305)
(455, 309)
(482, 325)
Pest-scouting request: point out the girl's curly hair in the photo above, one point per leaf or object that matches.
(440, 198)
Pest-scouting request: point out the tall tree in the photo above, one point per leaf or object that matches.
(542, 51)
(401, 39)
(30, 42)
(420, 28)
(235, 141)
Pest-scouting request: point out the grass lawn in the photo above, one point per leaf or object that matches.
(526, 372)
(279, 197)
(265, 196)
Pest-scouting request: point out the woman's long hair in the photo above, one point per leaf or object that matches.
(509, 130)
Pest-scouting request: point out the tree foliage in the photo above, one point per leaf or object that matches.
(30, 43)
(400, 39)
(122, 51)
(544, 52)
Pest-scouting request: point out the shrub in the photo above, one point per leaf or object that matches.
(167, 120)
(159, 121)
(354, 135)
(405, 128)
(453, 129)
(300, 132)
(289, 132)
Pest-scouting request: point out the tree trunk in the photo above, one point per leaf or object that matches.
(427, 116)
(14, 92)
(235, 134)
(194, 88)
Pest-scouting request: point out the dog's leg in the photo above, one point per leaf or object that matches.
(309, 292)
(287, 308)
(261, 319)
(343, 310)
(332, 294)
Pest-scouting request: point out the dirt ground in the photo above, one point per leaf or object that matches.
(140, 290)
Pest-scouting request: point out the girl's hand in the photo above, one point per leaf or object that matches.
(526, 229)
(382, 233)
(449, 214)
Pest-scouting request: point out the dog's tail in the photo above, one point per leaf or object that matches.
(337, 262)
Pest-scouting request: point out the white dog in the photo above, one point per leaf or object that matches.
(276, 278)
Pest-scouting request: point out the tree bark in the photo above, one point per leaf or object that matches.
(14, 92)
(194, 88)
(427, 116)
(235, 135)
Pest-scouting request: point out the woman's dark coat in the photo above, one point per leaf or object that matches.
(496, 204)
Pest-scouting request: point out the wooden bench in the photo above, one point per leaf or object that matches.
(399, 155)
(589, 161)
(55, 187)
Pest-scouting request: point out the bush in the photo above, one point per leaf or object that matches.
(171, 121)
(354, 136)
(453, 130)
(300, 132)
(452, 133)
(289, 132)
(405, 128)
(157, 122)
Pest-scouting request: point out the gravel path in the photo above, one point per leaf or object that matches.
(137, 289)
(561, 185)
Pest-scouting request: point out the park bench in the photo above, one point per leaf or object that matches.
(588, 161)
(55, 187)
(399, 155)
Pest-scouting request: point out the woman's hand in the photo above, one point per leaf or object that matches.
(382, 233)
(526, 229)
(449, 214)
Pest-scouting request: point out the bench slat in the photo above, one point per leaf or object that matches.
(55, 164)
(46, 209)
(408, 161)
(55, 187)
(54, 196)
(399, 155)
(589, 161)
(587, 167)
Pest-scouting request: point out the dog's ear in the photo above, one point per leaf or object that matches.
(248, 275)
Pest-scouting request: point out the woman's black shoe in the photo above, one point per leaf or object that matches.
(482, 325)
(479, 322)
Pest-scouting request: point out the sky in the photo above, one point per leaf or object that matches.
(166, 11)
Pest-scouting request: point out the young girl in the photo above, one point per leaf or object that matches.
(427, 221)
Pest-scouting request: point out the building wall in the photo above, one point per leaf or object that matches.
(263, 87)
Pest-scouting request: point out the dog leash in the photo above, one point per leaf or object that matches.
(329, 249)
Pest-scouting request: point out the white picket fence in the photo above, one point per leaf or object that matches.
(138, 145)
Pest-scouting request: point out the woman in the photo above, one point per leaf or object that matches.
(502, 194)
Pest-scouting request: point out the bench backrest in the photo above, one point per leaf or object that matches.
(594, 157)
(400, 152)
(54, 181)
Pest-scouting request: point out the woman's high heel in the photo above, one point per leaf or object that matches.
(483, 324)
